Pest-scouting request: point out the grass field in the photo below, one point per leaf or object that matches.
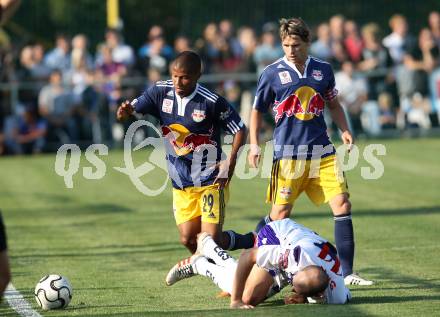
(116, 245)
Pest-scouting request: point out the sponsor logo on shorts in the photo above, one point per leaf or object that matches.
(285, 192)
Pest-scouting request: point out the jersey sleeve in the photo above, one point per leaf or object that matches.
(228, 117)
(337, 292)
(264, 96)
(331, 92)
(148, 102)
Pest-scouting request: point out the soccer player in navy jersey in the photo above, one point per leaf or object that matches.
(296, 88)
(192, 119)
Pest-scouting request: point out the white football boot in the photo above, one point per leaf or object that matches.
(354, 279)
(182, 270)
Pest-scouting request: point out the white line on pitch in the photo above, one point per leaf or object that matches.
(18, 303)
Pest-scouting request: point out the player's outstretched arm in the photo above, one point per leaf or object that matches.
(244, 267)
(254, 128)
(124, 111)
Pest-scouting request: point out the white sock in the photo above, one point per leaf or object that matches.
(222, 276)
(213, 251)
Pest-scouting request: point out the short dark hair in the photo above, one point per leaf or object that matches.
(316, 282)
(190, 61)
(294, 26)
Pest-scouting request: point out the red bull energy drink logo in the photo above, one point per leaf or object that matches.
(184, 141)
(305, 103)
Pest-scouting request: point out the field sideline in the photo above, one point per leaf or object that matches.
(116, 245)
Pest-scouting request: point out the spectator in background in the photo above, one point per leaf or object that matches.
(399, 39)
(226, 31)
(321, 47)
(154, 33)
(419, 62)
(80, 48)
(434, 78)
(29, 135)
(269, 50)
(59, 57)
(55, 105)
(375, 61)
(387, 116)
(434, 25)
(109, 73)
(25, 73)
(207, 46)
(155, 58)
(352, 92)
(353, 41)
(336, 24)
(121, 53)
(76, 76)
(248, 43)
(40, 70)
(181, 43)
(339, 55)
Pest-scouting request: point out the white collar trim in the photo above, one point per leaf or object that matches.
(182, 102)
(293, 66)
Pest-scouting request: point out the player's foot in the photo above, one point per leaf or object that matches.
(354, 279)
(200, 242)
(223, 294)
(316, 300)
(183, 269)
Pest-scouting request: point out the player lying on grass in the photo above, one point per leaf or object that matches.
(287, 253)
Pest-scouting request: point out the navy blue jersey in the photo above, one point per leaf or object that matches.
(192, 128)
(297, 101)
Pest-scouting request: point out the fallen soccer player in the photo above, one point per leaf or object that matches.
(286, 253)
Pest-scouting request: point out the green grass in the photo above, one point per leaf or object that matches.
(116, 245)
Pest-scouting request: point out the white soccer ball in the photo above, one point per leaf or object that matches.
(53, 291)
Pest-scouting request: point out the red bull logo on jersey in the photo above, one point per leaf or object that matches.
(184, 141)
(305, 103)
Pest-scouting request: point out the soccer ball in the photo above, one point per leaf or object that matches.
(53, 291)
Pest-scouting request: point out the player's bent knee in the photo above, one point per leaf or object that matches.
(345, 207)
(249, 299)
(188, 241)
(280, 212)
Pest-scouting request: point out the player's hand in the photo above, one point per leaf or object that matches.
(226, 170)
(254, 155)
(124, 111)
(240, 305)
(347, 138)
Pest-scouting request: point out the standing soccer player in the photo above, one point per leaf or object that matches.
(297, 87)
(192, 118)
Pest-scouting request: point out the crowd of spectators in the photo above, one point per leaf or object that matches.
(68, 93)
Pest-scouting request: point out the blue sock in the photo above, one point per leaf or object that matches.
(344, 240)
(240, 241)
(264, 221)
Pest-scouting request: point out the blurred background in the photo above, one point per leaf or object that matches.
(66, 65)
